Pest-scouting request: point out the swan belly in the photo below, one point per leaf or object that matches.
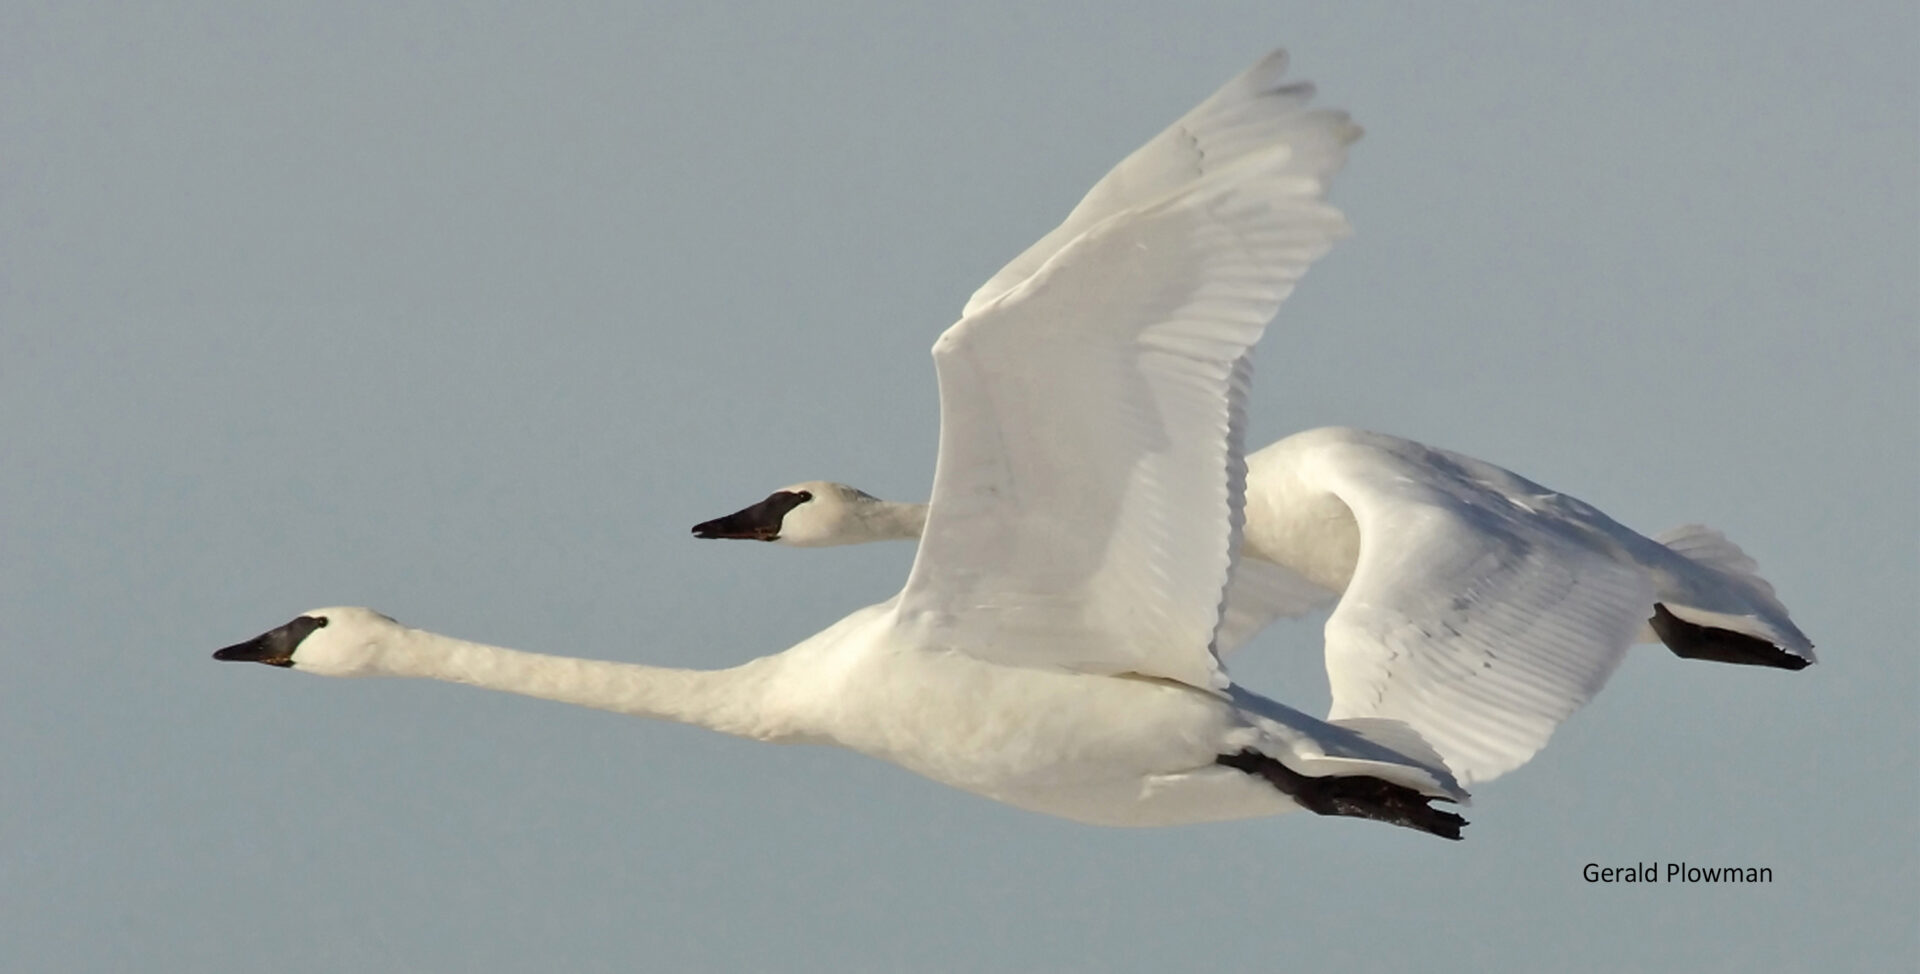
(1107, 750)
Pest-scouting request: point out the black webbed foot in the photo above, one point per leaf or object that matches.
(1359, 796)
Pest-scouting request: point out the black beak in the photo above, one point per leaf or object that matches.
(761, 522)
(274, 647)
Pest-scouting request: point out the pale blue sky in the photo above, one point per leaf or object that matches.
(469, 312)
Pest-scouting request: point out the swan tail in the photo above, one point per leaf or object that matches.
(1720, 609)
(1703, 545)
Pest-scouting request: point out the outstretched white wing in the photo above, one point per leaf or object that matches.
(1254, 112)
(1086, 501)
(1484, 609)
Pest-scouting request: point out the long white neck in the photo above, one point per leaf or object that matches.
(892, 521)
(733, 701)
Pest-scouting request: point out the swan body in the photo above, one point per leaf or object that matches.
(1111, 750)
(1053, 645)
(1474, 605)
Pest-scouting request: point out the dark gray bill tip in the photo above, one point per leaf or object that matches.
(274, 647)
(761, 522)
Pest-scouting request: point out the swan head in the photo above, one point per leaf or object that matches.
(330, 642)
(813, 514)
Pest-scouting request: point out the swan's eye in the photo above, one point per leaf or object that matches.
(804, 495)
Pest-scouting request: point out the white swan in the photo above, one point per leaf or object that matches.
(1476, 606)
(1052, 645)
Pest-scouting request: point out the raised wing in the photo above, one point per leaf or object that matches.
(1484, 609)
(1086, 501)
(1252, 113)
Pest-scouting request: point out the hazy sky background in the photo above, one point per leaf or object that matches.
(468, 312)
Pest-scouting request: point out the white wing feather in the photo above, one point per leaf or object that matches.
(1252, 113)
(1471, 616)
(1088, 416)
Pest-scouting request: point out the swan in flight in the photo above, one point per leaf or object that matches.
(1476, 606)
(1053, 645)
